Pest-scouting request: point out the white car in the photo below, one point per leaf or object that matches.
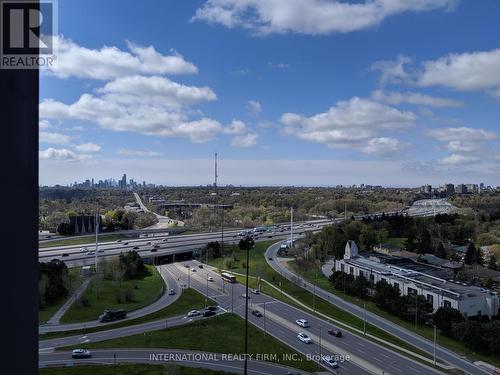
(329, 361)
(304, 338)
(302, 322)
(193, 313)
(81, 353)
(193, 269)
(210, 278)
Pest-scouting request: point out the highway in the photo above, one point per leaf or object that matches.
(164, 301)
(366, 357)
(384, 324)
(212, 361)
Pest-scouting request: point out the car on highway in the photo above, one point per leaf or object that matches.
(91, 253)
(81, 353)
(156, 246)
(193, 313)
(65, 255)
(200, 265)
(83, 249)
(118, 240)
(153, 250)
(193, 269)
(136, 248)
(335, 332)
(255, 291)
(302, 322)
(48, 237)
(270, 258)
(304, 338)
(329, 361)
(125, 243)
(100, 251)
(164, 240)
(210, 278)
(110, 315)
(171, 292)
(256, 313)
(208, 313)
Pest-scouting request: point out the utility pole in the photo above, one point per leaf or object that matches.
(364, 318)
(246, 315)
(96, 225)
(232, 298)
(265, 332)
(206, 296)
(189, 277)
(320, 343)
(291, 227)
(435, 336)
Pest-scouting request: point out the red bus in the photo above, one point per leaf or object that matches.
(226, 276)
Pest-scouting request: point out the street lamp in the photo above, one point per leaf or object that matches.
(246, 312)
(435, 337)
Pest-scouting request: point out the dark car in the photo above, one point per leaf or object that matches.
(270, 258)
(110, 315)
(200, 266)
(154, 250)
(136, 247)
(208, 313)
(65, 255)
(257, 313)
(156, 246)
(335, 332)
(211, 308)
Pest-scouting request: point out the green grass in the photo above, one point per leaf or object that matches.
(190, 299)
(397, 241)
(46, 312)
(259, 267)
(220, 334)
(67, 241)
(126, 369)
(422, 330)
(146, 288)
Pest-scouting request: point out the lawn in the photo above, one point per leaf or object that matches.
(67, 241)
(190, 299)
(260, 268)
(220, 334)
(47, 311)
(397, 241)
(425, 331)
(126, 369)
(103, 295)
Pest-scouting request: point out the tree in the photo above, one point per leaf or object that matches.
(470, 254)
(246, 243)
(446, 317)
(492, 262)
(440, 251)
(385, 295)
(213, 249)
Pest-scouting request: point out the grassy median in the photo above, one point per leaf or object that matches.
(103, 294)
(220, 334)
(87, 240)
(125, 369)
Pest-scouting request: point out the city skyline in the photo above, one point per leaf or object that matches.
(283, 102)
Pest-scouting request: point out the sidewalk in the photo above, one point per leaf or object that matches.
(59, 313)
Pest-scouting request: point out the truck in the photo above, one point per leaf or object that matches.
(110, 315)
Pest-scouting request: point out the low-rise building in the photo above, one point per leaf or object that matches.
(435, 283)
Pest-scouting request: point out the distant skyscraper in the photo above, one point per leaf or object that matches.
(123, 182)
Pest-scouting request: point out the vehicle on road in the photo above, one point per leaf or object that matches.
(329, 361)
(171, 292)
(65, 254)
(256, 313)
(302, 322)
(193, 269)
(136, 248)
(211, 308)
(193, 313)
(83, 249)
(91, 253)
(335, 332)
(153, 250)
(255, 291)
(208, 313)
(200, 266)
(81, 353)
(125, 243)
(100, 251)
(165, 240)
(110, 315)
(118, 240)
(226, 276)
(210, 278)
(270, 258)
(304, 338)
(244, 295)
(156, 246)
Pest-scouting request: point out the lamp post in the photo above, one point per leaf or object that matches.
(265, 332)
(246, 314)
(435, 339)
(189, 277)
(364, 318)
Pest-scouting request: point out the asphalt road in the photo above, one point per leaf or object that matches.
(402, 333)
(366, 357)
(212, 361)
(164, 301)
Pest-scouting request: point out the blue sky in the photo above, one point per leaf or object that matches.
(309, 92)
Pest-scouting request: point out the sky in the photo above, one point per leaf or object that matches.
(287, 92)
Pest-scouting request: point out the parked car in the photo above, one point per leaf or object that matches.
(171, 292)
(329, 361)
(335, 332)
(304, 338)
(81, 353)
(208, 313)
(302, 322)
(193, 313)
(256, 313)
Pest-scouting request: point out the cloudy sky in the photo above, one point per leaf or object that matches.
(295, 92)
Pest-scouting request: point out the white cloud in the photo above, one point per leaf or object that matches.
(247, 140)
(111, 62)
(463, 134)
(414, 98)
(60, 154)
(384, 146)
(236, 127)
(54, 138)
(44, 124)
(88, 147)
(129, 152)
(458, 160)
(255, 107)
(308, 16)
(357, 123)
(147, 105)
(392, 71)
(466, 72)
(278, 65)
